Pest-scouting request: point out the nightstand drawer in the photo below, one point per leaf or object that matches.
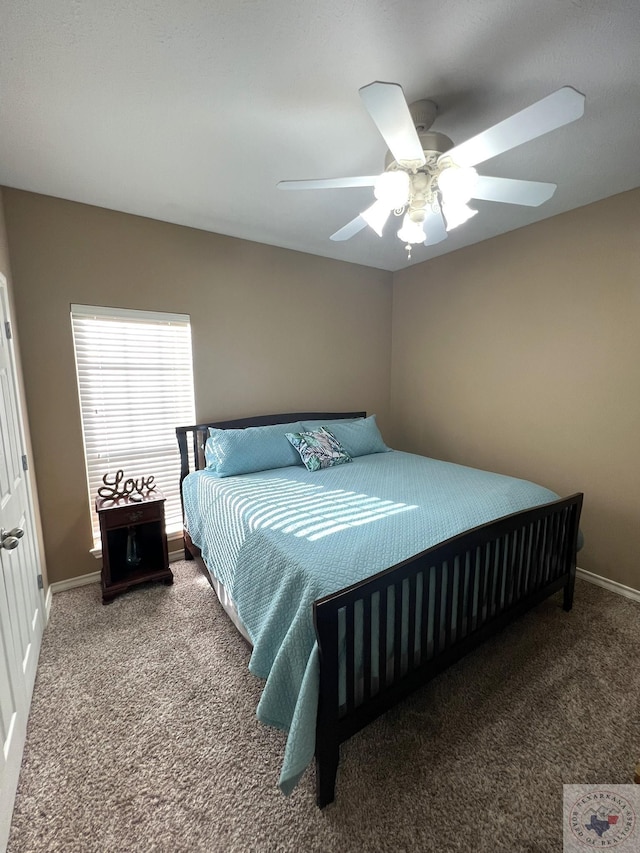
(122, 516)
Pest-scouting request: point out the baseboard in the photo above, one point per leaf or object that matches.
(612, 586)
(47, 605)
(92, 577)
(71, 583)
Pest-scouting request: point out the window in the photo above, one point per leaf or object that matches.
(135, 382)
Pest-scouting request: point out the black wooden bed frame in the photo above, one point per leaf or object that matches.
(504, 568)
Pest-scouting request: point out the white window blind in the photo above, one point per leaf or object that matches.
(135, 382)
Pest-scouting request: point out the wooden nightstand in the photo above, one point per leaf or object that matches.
(134, 543)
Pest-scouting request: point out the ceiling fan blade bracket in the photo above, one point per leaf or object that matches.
(410, 165)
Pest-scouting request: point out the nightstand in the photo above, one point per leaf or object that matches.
(134, 543)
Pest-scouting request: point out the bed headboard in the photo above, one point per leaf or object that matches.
(191, 439)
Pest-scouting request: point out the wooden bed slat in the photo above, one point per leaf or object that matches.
(411, 627)
(367, 641)
(424, 614)
(382, 640)
(471, 591)
(350, 640)
(437, 610)
(397, 630)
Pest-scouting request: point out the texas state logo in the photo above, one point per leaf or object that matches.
(601, 818)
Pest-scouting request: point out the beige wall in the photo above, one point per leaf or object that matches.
(5, 269)
(522, 355)
(273, 330)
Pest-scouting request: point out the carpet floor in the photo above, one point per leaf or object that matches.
(142, 736)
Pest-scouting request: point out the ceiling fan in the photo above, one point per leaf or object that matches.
(427, 179)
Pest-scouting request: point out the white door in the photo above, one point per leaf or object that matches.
(21, 601)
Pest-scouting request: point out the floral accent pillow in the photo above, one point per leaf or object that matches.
(318, 449)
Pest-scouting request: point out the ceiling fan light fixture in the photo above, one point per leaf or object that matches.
(456, 213)
(457, 183)
(392, 188)
(411, 232)
(430, 180)
(376, 216)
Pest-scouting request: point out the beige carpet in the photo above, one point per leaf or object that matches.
(143, 737)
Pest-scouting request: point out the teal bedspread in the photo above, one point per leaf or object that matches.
(279, 540)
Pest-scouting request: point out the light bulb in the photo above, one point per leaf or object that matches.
(392, 188)
(376, 216)
(457, 184)
(455, 213)
(411, 232)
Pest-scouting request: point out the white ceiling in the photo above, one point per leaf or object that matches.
(192, 111)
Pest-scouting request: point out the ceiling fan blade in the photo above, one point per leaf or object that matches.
(388, 108)
(347, 231)
(328, 183)
(561, 107)
(434, 228)
(510, 191)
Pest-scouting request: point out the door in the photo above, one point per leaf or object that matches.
(21, 600)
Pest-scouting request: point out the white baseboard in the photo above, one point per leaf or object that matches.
(605, 583)
(92, 577)
(47, 605)
(71, 583)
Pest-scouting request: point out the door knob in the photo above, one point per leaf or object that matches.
(11, 539)
(18, 532)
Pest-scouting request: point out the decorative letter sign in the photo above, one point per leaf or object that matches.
(133, 489)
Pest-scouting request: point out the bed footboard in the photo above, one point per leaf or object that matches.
(384, 637)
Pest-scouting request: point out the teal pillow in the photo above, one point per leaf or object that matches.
(360, 437)
(243, 451)
(318, 449)
(311, 425)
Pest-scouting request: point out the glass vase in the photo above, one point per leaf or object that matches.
(132, 557)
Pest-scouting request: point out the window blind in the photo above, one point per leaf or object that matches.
(135, 383)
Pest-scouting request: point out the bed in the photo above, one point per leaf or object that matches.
(357, 583)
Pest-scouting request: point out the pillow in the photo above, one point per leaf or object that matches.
(308, 426)
(318, 449)
(360, 437)
(242, 451)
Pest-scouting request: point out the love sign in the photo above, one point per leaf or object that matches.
(135, 490)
